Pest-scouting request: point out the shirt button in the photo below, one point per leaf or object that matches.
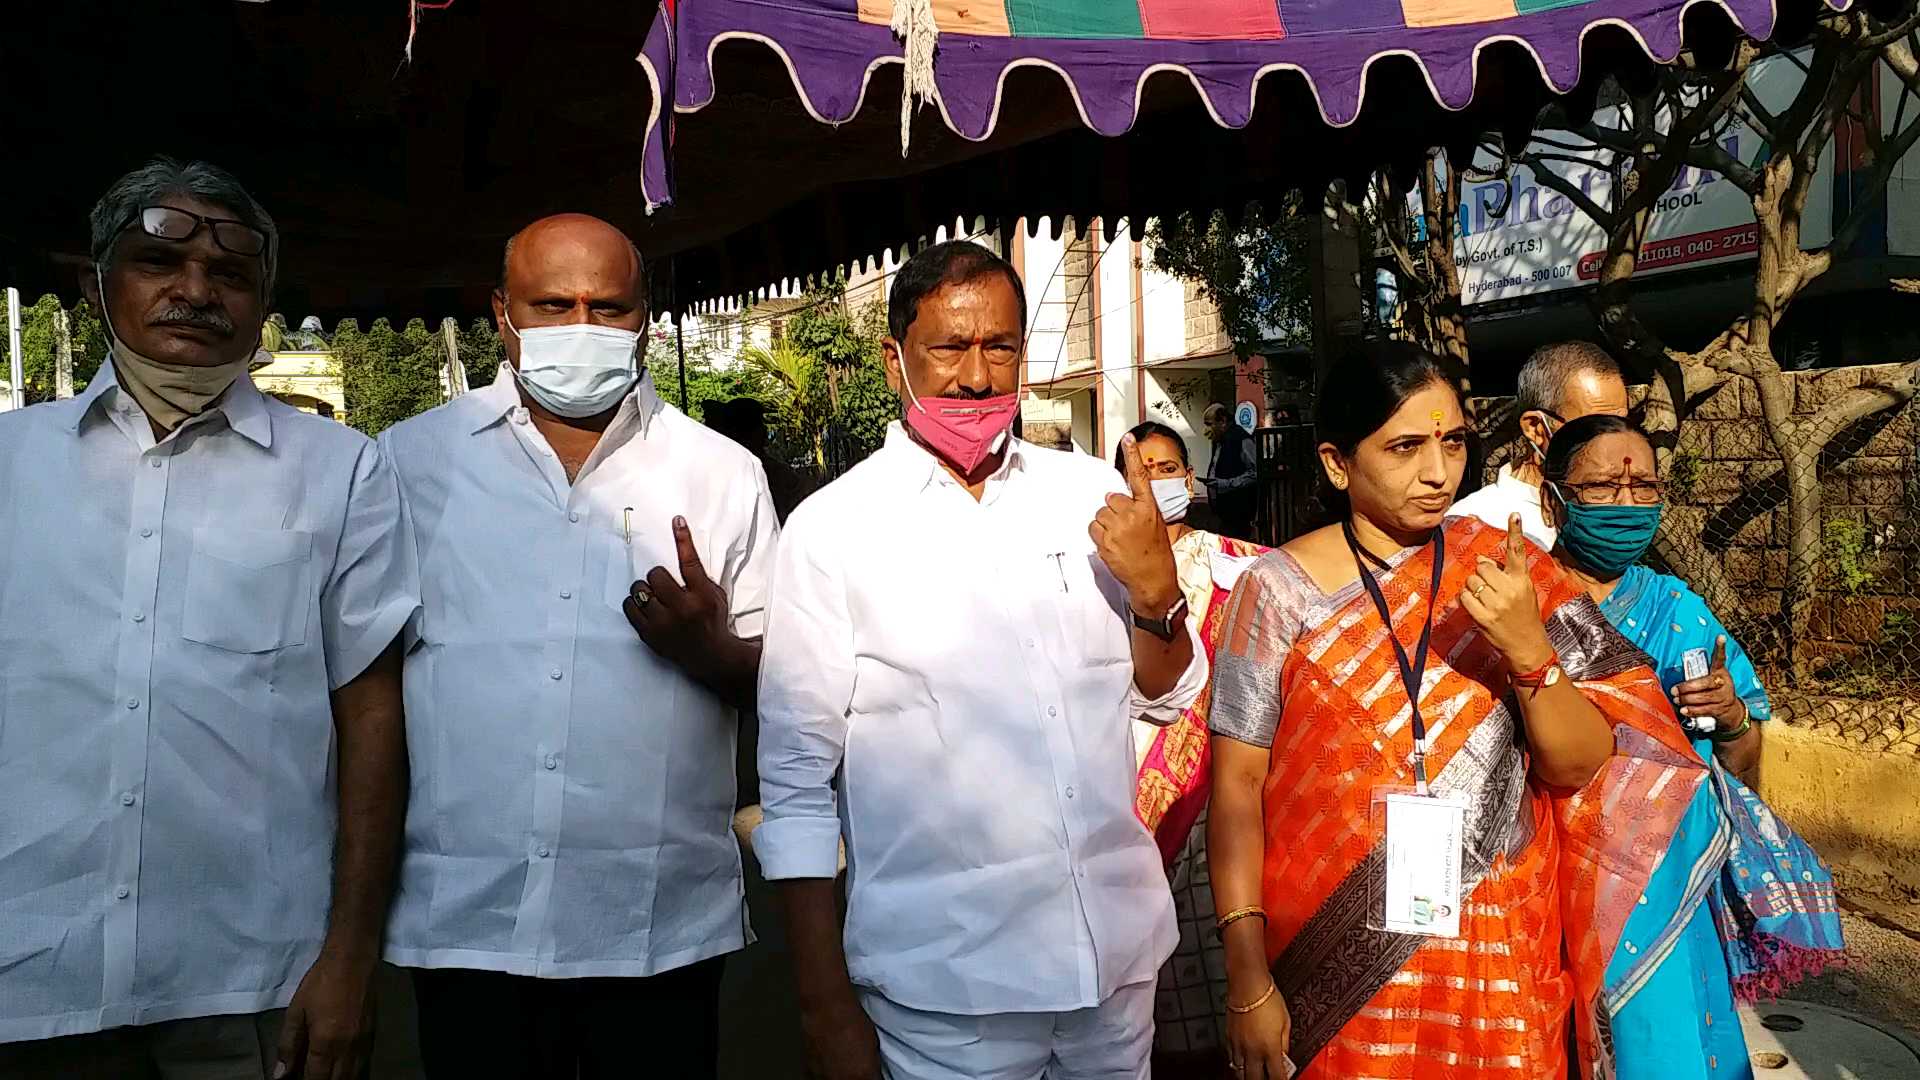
(1069, 791)
(551, 762)
(139, 616)
(566, 594)
(573, 516)
(144, 533)
(1052, 711)
(554, 674)
(1029, 643)
(123, 892)
(545, 851)
(133, 703)
(156, 463)
(126, 798)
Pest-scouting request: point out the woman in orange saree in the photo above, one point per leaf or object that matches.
(1538, 718)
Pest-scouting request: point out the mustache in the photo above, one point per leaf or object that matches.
(198, 318)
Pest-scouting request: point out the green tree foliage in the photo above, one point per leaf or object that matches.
(37, 346)
(796, 396)
(388, 375)
(1252, 269)
(481, 352)
(845, 348)
(705, 381)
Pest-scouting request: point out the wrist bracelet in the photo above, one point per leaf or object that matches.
(1532, 680)
(1272, 989)
(1237, 914)
(1746, 723)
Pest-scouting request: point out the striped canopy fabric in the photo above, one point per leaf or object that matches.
(1207, 20)
(1106, 49)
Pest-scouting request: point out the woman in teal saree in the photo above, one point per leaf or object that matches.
(1740, 907)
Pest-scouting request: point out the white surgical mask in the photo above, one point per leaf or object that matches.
(1173, 496)
(578, 369)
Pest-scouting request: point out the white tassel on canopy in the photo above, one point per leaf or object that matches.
(913, 24)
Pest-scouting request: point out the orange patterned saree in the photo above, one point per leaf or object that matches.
(1549, 875)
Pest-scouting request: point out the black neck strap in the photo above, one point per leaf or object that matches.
(1412, 671)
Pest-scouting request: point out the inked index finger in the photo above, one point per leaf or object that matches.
(1719, 662)
(1137, 479)
(1516, 546)
(692, 571)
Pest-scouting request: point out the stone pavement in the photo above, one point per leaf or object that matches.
(1793, 1040)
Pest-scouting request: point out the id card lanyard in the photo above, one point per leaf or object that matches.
(1412, 672)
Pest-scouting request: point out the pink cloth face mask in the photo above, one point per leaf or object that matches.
(960, 431)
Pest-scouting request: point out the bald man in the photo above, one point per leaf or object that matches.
(593, 570)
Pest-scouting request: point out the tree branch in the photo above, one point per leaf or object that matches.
(1561, 186)
(1859, 404)
(1758, 117)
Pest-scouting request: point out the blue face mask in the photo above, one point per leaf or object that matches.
(1607, 539)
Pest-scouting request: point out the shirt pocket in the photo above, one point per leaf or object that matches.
(1096, 609)
(247, 589)
(622, 556)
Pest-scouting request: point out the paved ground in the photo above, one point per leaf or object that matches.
(1883, 984)
(1852, 1022)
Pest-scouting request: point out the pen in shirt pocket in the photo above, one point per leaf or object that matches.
(1060, 566)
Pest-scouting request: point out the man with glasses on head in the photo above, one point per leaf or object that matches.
(1559, 382)
(202, 761)
(593, 564)
(960, 633)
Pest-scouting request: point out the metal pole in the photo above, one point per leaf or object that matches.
(16, 376)
(679, 331)
(680, 345)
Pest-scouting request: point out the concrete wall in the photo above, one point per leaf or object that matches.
(1853, 793)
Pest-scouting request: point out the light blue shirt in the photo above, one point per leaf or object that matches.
(573, 792)
(172, 620)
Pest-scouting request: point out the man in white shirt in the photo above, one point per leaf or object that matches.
(950, 675)
(1558, 383)
(202, 762)
(571, 882)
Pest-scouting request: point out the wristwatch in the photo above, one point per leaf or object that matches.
(1164, 627)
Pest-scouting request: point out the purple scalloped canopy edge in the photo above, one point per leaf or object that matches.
(830, 53)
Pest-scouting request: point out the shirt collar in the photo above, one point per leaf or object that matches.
(1507, 479)
(244, 406)
(917, 466)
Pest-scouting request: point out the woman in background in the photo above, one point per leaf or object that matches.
(1739, 907)
(1170, 796)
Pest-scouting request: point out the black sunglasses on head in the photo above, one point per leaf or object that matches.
(177, 226)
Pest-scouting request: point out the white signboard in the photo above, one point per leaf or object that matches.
(1543, 242)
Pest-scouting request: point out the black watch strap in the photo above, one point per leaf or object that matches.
(1164, 627)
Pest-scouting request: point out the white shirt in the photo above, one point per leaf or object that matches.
(1504, 497)
(573, 793)
(172, 619)
(965, 669)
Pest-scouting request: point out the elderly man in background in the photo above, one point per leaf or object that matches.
(1558, 383)
(202, 763)
(571, 883)
(960, 633)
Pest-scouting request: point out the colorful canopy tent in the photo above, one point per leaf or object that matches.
(1220, 101)
(395, 183)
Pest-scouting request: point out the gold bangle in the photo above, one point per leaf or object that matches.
(1237, 914)
(1272, 989)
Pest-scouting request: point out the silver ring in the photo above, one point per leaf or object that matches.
(641, 596)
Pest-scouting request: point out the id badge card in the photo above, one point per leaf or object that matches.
(1418, 888)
